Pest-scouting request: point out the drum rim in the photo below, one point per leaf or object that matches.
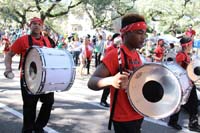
(24, 72)
(146, 115)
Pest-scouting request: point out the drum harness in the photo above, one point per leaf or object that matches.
(117, 90)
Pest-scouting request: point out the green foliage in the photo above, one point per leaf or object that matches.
(170, 14)
(160, 15)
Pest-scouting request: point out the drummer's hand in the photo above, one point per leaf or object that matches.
(120, 81)
(9, 74)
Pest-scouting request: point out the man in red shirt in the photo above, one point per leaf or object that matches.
(183, 59)
(20, 46)
(159, 51)
(190, 32)
(125, 119)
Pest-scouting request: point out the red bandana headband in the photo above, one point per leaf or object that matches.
(134, 26)
(186, 44)
(35, 19)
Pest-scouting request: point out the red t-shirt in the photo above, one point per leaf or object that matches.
(159, 52)
(123, 110)
(183, 59)
(21, 45)
(109, 48)
(190, 33)
(88, 52)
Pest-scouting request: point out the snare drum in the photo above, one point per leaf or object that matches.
(158, 90)
(47, 70)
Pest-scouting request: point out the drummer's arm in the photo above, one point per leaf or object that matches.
(8, 61)
(157, 58)
(102, 78)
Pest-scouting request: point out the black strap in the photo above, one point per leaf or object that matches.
(115, 96)
(20, 61)
(30, 42)
(125, 58)
(113, 109)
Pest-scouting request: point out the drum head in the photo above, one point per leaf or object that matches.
(193, 70)
(33, 70)
(154, 91)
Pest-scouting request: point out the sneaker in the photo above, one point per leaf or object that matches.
(105, 104)
(175, 126)
(194, 127)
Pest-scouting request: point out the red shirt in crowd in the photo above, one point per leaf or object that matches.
(190, 33)
(159, 52)
(88, 51)
(123, 110)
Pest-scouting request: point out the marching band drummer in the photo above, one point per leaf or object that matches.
(125, 119)
(20, 46)
(183, 59)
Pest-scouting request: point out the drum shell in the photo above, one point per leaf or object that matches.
(55, 70)
(183, 78)
(170, 81)
(169, 56)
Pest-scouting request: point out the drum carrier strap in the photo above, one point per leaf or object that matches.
(116, 92)
(30, 42)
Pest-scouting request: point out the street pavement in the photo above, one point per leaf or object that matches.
(75, 111)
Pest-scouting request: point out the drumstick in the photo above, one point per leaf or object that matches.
(119, 59)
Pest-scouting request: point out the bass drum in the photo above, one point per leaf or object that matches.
(47, 70)
(158, 90)
(193, 70)
(170, 56)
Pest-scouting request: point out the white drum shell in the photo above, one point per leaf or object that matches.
(55, 70)
(169, 56)
(183, 78)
